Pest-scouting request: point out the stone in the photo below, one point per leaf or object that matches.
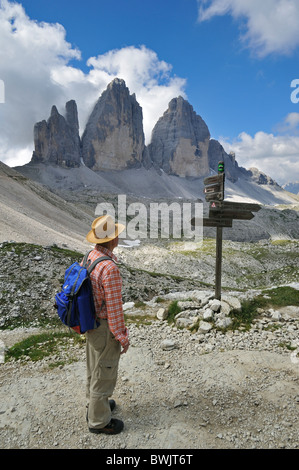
(187, 304)
(208, 314)
(232, 301)
(225, 308)
(215, 305)
(224, 322)
(183, 322)
(204, 327)
(128, 306)
(162, 314)
(275, 315)
(168, 344)
(290, 311)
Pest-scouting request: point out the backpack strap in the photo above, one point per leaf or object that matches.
(91, 266)
(86, 262)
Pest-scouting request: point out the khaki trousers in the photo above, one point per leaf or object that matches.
(102, 358)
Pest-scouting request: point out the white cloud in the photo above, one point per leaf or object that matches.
(271, 26)
(37, 69)
(275, 155)
(144, 75)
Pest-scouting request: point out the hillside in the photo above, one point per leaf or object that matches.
(85, 188)
(30, 212)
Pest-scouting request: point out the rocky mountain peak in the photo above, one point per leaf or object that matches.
(180, 141)
(57, 140)
(114, 138)
(54, 112)
(72, 115)
(259, 177)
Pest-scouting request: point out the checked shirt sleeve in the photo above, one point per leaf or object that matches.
(112, 284)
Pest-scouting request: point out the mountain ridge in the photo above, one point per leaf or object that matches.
(113, 139)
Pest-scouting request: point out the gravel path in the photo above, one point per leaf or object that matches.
(176, 398)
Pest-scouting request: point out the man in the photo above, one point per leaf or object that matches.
(105, 343)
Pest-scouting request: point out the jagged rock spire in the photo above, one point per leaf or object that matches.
(57, 140)
(114, 138)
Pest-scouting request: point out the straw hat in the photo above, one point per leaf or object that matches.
(103, 229)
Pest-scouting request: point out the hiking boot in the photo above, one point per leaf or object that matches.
(112, 405)
(114, 427)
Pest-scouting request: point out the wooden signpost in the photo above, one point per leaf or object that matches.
(221, 215)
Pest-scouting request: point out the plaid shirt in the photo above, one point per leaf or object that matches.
(107, 284)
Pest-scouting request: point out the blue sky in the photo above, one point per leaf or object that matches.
(234, 60)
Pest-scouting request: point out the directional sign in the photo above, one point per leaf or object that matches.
(213, 179)
(228, 214)
(221, 215)
(232, 210)
(217, 222)
(214, 189)
(217, 196)
(234, 206)
(207, 222)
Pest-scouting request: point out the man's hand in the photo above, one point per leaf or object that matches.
(125, 349)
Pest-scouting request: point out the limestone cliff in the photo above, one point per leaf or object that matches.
(113, 138)
(216, 153)
(57, 140)
(180, 141)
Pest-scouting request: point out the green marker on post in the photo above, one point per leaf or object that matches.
(220, 167)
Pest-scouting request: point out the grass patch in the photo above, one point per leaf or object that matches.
(139, 320)
(282, 296)
(39, 321)
(66, 252)
(278, 297)
(37, 347)
(20, 248)
(139, 304)
(245, 317)
(173, 310)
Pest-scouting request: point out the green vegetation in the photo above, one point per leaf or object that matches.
(277, 297)
(20, 248)
(37, 347)
(65, 252)
(139, 320)
(173, 310)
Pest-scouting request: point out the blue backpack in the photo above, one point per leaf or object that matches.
(74, 303)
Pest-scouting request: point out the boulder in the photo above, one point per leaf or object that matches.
(204, 327)
(162, 314)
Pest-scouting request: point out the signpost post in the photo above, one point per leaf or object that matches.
(221, 215)
(220, 197)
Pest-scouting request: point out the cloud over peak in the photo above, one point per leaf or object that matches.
(38, 69)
